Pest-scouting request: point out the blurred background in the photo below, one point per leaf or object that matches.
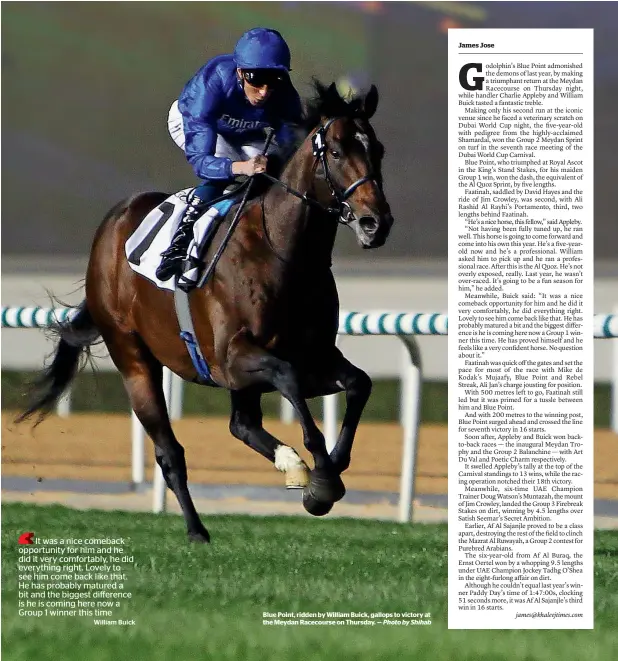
(86, 90)
(87, 87)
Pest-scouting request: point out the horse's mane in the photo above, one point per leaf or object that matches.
(327, 102)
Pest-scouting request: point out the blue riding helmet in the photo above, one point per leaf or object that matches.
(262, 48)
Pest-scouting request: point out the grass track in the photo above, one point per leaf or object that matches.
(194, 602)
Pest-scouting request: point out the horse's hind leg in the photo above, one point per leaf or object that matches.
(143, 376)
(246, 425)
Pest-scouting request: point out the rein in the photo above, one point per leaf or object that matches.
(301, 196)
(211, 266)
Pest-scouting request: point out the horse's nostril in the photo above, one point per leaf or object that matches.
(369, 224)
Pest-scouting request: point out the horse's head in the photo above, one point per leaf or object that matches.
(348, 167)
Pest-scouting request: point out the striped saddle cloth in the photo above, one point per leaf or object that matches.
(155, 233)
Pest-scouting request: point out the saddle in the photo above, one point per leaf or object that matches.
(154, 235)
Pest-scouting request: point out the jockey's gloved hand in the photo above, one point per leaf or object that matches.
(255, 165)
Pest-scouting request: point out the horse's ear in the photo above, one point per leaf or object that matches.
(332, 92)
(330, 99)
(370, 103)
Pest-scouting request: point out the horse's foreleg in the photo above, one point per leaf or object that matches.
(248, 365)
(357, 386)
(246, 425)
(142, 375)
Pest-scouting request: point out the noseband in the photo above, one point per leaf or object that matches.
(341, 209)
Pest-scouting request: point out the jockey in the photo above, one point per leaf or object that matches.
(219, 121)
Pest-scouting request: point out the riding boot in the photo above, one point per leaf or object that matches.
(173, 257)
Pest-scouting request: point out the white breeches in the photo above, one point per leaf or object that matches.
(224, 148)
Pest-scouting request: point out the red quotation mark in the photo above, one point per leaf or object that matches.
(26, 538)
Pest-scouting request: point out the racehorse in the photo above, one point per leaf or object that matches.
(266, 320)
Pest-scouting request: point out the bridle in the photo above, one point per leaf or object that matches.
(341, 209)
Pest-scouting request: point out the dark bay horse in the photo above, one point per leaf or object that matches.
(266, 320)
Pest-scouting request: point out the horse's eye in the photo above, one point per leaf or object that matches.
(335, 154)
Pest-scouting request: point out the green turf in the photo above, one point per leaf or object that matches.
(103, 391)
(196, 602)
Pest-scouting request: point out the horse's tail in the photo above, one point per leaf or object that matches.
(76, 337)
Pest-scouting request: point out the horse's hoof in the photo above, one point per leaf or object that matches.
(326, 487)
(297, 477)
(199, 536)
(315, 507)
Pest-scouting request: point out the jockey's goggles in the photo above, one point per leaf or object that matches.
(263, 77)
